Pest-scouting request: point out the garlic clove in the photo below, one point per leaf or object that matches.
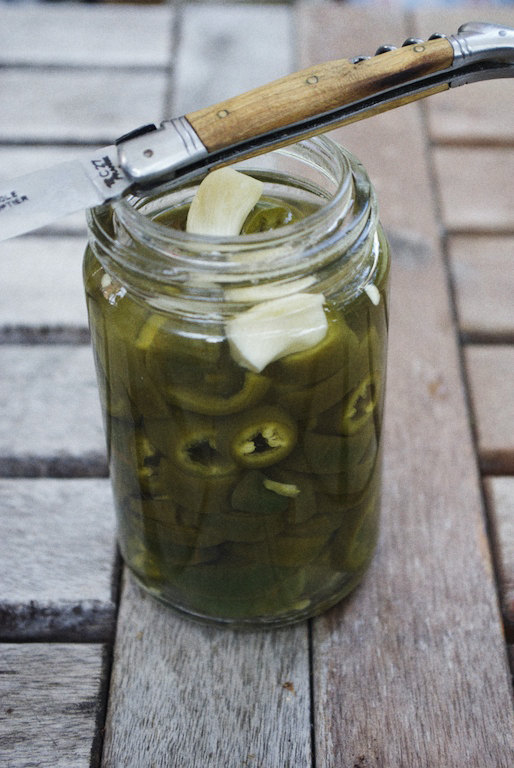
(222, 202)
(272, 329)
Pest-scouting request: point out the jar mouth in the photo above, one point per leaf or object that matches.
(332, 238)
(138, 213)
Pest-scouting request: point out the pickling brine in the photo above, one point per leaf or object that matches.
(242, 384)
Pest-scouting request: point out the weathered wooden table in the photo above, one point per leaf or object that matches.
(412, 670)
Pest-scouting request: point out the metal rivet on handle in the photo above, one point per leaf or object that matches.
(385, 49)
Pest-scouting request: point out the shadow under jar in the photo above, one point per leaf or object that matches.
(246, 494)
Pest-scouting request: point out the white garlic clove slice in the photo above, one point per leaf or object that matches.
(222, 202)
(272, 329)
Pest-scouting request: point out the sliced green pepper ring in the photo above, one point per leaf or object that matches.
(174, 358)
(327, 454)
(310, 402)
(266, 219)
(359, 405)
(269, 214)
(353, 545)
(253, 390)
(191, 443)
(259, 437)
(303, 369)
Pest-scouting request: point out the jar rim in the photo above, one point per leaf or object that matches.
(144, 253)
(129, 212)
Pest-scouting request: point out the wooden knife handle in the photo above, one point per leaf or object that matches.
(316, 90)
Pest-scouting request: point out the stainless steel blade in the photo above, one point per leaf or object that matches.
(40, 198)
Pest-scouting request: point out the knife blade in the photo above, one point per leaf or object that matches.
(39, 198)
(297, 106)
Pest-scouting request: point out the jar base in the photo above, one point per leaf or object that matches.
(310, 610)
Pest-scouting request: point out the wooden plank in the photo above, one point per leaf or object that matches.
(484, 285)
(225, 50)
(215, 697)
(64, 104)
(78, 35)
(51, 699)
(411, 669)
(41, 284)
(479, 113)
(500, 495)
(50, 421)
(57, 560)
(463, 115)
(490, 374)
(476, 188)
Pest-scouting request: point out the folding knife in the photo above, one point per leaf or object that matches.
(294, 107)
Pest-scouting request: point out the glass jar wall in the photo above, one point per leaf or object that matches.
(245, 469)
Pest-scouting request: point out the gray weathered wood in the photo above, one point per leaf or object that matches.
(41, 283)
(493, 405)
(226, 50)
(484, 285)
(473, 184)
(51, 699)
(184, 695)
(50, 420)
(57, 560)
(500, 495)
(71, 35)
(76, 105)
(412, 670)
(463, 116)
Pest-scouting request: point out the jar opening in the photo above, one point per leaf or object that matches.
(328, 184)
(323, 186)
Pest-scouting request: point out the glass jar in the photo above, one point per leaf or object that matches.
(246, 485)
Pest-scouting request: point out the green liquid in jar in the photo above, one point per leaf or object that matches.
(241, 497)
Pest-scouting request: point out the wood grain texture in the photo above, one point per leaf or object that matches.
(500, 497)
(314, 90)
(411, 670)
(84, 35)
(57, 560)
(227, 49)
(51, 698)
(41, 284)
(475, 189)
(490, 375)
(67, 104)
(483, 279)
(184, 695)
(50, 420)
